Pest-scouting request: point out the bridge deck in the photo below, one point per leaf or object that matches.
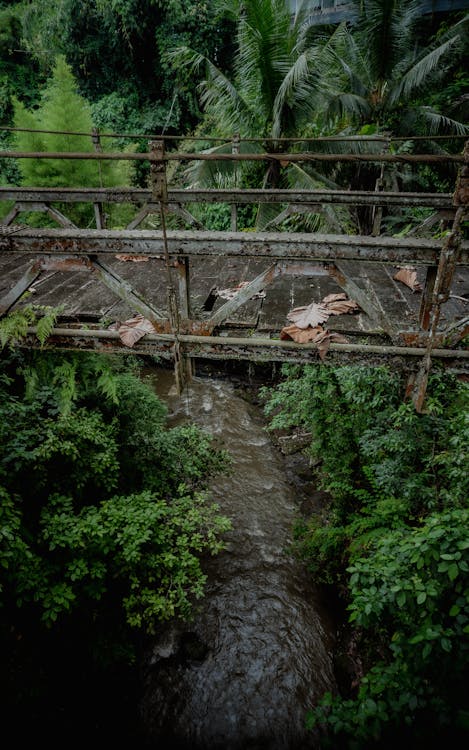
(228, 294)
(85, 298)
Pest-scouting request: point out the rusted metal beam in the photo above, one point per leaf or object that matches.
(442, 201)
(98, 206)
(430, 221)
(456, 331)
(234, 207)
(159, 189)
(377, 211)
(182, 265)
(224, 139)
(441, 290)
(159, 194)
(42, 207)
(427, 298)
(150, 208)
(184, 214)
(288, 268)
(311, 247)
(11, 215)
(447, 337)
(172, 208)
(64, 263)
(99, 215)
(250, 348)
(30, 275)
(306, 156)
(58, 216)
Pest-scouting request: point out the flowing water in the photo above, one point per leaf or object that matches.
(257, 655)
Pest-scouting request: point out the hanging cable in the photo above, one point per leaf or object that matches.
(160, 195)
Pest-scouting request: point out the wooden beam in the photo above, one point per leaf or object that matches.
(339, 273)
(9, 299)
(125, 291)
(244, 294)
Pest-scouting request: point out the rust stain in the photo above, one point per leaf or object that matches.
(419, 340)
(196, 327)
(65, 264)
(162, 326)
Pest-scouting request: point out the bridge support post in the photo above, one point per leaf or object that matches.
(98, 207)
(159, 189)
(443, 278)
(234, 207)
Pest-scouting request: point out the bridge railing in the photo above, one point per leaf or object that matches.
(300, 253)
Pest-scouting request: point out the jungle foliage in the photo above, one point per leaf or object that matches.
(105, 521)
(98, 495)
(223, 66)
(394, 541)
(115, 49)
(291, 78)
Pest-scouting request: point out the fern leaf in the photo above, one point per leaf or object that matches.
(46, 323)
(107, 382)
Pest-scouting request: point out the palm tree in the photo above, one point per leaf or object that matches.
(276, 89)
(379, 72)
(380, 79)
(290, 78)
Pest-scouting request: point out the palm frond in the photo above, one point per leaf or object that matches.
(336, 217)
(349, 105)
(416, 76)
(403, 23)
(299, 92)
(351, 144)
(264, 47)
(439, 123)
(220, 174)
(268, 215)
(460, 28)
(384, 28)
(217, 92)
(300, 179)
(358, 59)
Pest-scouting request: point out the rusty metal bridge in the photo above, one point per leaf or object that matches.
(172, 276)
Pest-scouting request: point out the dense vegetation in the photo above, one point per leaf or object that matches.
(104, 524)
(223, 66)
(393, 541)
(116, 51)
(104, 517)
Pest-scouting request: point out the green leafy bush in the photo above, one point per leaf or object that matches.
(394, 540)
(100, 501)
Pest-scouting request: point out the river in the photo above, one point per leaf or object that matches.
(258, 653)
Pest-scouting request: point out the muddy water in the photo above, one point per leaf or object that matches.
(257, 655)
